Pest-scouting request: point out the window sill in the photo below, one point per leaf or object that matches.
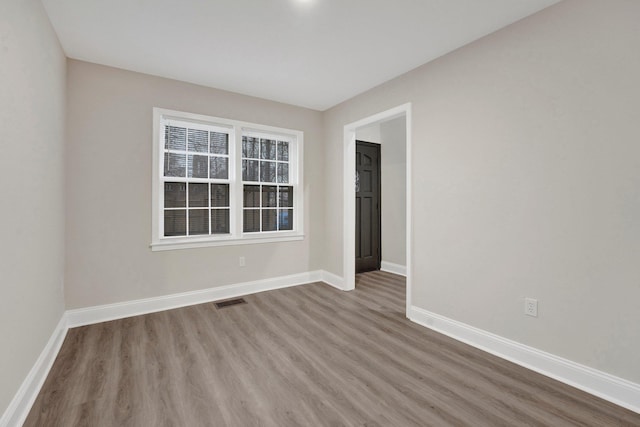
(175, 244)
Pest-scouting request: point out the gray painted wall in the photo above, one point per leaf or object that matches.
(109, 190)
(32, 93)
(369, 133)
(393, 134)
(525, 181)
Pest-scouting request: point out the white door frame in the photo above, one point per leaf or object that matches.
(349, 203)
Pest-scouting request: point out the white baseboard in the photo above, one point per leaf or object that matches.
(333, 280)
(19, 408)
(103, 313)
(22, 402)
(608, 387)
(390, 267)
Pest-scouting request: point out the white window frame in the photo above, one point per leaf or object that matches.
(236, 236)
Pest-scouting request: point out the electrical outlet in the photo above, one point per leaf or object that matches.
(242, 262)
(531, 307)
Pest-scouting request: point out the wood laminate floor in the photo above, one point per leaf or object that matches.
(303, 356)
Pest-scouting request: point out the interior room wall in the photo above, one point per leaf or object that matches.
(32, 93)
(109, 190)
(369, 133)
(393, 134)
(525, 162)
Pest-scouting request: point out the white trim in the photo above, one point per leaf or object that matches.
(391, 267)
(168, 245)
(601, 384)
(17, 411)
(616, 390)
(333, 280)
(103, 313)
(21, 404)
(349, 207)
(409, 198)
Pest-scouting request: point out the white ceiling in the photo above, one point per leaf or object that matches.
(312, 53)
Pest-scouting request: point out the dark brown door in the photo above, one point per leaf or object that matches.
(367, 206)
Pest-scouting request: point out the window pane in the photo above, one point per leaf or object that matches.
(267, 171)
(197, 166)
(251, 220)
(269, 196)
(219, 143)
(175, 223)
(285, 219)
(268, 149)
(219, 195)
(283, 173)
(286, 197)
(198, 221)
(250, 170)
(269, 220)
(219, 221)
(175, 138)
(174, 164)
(251, 196)
(219, 169)
(175, 195)
(283, 151)
(198, 140)
(198, 195)
(250, 147)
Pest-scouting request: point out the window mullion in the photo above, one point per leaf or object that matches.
(261, 185)
(236, 205)
(209, 185)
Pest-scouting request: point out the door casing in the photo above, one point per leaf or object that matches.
(348, 280)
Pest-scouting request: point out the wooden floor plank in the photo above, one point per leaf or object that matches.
(307, 355)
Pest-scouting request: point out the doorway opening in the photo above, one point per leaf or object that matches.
(356, 131)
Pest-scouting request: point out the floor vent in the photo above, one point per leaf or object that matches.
(230, 302)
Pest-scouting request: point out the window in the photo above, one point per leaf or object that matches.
(267, 195)
(195, 179)
(221, 182)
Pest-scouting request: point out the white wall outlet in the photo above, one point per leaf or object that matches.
(531, 307)
(242, 262)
